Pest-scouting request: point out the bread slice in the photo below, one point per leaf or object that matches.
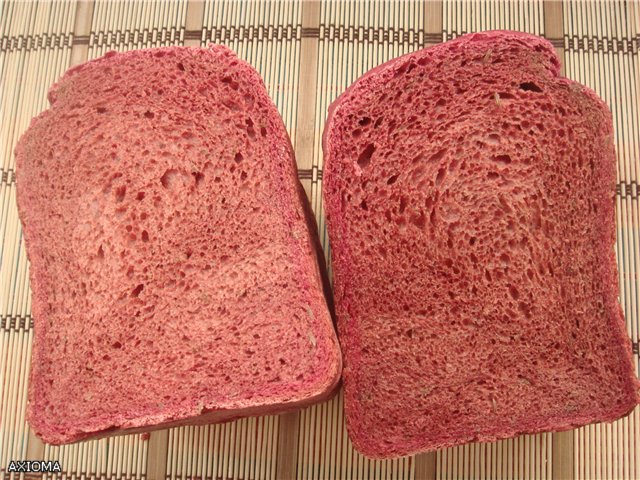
(469, 196)
(174, 266)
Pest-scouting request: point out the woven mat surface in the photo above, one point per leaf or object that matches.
(307, 53)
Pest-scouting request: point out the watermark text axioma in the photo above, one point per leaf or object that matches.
(34, 466)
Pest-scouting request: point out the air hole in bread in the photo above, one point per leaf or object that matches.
(120, 193)
(232, 83)
(530, 87)
(503, 159)
(417, 174)
(136, 291)
(513, 291)
(231, 105)
(402, 69)
(436, 156)
(428, 202)
(524, 309)
(364, 159)
(250, 130)
(149, 114)
(403, 204)
(419, 220)
(487, 275)
(392, 179)
(170, 178)
(101, 110)
(493, 139)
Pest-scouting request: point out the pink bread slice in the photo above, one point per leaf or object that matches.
(174, 264)
(469, 196)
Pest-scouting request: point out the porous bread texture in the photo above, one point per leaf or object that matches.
(174, 268)
(469, 192)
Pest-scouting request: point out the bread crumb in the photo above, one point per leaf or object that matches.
(496, 96)
(145, 436)
(526, 380)
(193, 308)
(425, 391)
(570, 407)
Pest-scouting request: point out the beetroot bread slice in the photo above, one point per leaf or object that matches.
(469, 196)
(174, 267)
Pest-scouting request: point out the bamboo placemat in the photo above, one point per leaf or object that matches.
(307, 53)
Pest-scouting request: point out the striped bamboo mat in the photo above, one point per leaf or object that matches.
(307, 53)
